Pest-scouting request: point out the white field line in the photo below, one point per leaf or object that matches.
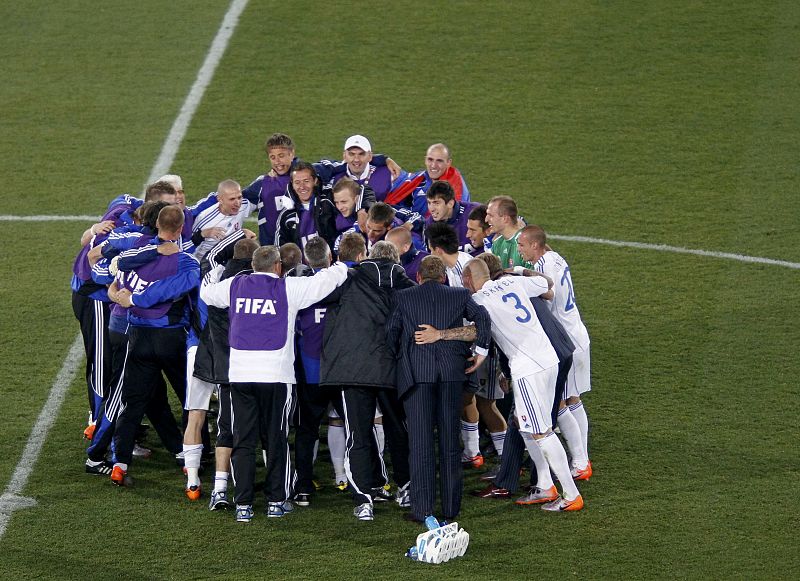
(678, 250)
(11, 499)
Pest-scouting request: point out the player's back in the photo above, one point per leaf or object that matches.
(563, 305)
(515, 326)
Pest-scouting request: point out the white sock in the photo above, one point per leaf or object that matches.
(336, 444)
(220, 481)
(579, 413)
(121, 465)
(555, 455)
(572, 435)
(316, 451)
(543, 478)
(192, 453)
(380, 437)
(498, 439)
(470, 436)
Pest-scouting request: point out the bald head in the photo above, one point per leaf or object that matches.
(475, 274)
(401, 238)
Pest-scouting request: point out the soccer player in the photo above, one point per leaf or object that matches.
(412, 189)
(410, 257)
(347, 196)
(358, 157)
(307, 213)
(263, 308)
(501, 215)
(478, 231)
(313, 400)
(223, 218)
(90, 302)
(158, 297)
(443, 242)
(534, 367)
(444, 207)
(572, 420)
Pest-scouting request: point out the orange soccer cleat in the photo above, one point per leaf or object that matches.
(194, 492)
(582, 474)
(564, 505)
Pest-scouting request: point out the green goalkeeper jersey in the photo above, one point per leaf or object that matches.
(506, 250)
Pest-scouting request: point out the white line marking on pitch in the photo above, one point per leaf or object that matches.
(11, 499)
(677, 249)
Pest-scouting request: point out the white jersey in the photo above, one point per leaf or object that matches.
(213, 218)
(515, 326)
(454, 274)
(563, 305)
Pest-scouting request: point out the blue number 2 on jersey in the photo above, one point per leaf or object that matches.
(518, 306)
(566, 278)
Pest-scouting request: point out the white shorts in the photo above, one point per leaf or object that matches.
(198, 392)
(533, 400)
(579, 378)
(488, 377)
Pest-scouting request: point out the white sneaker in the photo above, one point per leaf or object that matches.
(363, 512)
(219, 500)
(244, 513)
(279, 509)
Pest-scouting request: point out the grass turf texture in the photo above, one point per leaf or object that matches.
(628, 121)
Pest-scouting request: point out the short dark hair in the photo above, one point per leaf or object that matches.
(442, 235)
(265, 258)
(244, 248)
(317, 252)
(148, 213)
(155, 190)
(479, 213)
(441, 189)
(303, 166)
(278, 140)
(431, 268)
(352, 246)
(291, 255)
(381, 213)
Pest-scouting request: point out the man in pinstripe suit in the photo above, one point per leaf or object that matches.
(430, 379)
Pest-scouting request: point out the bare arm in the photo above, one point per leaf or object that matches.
(430, 334)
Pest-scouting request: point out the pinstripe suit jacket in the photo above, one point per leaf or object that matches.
(443, 307)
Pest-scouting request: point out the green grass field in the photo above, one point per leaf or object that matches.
(663, 123)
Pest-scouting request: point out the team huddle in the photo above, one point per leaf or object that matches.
(381, 301)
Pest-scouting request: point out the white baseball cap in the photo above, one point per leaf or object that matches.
(358, 141)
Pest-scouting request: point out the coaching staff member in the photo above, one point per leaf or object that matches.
(430, 381)
(355, 356)
(262, 312)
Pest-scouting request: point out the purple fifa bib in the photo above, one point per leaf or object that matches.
(307, 228)
(259, 313)
(272, 188)
(311, 323)
(139, 279)
(380, 180)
